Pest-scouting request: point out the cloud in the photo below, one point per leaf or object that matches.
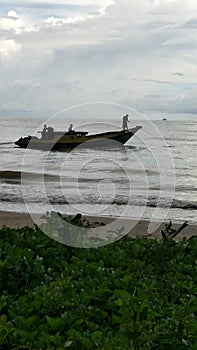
(60, 2)
(179, 74)
(184, 103)
(139, 53)
(9, 47)
(154, 81)
(15, 24)
(12, 14)
(37, 11)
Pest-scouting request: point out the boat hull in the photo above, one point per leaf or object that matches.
(61, 142)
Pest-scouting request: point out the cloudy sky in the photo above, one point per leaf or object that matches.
(59, 53)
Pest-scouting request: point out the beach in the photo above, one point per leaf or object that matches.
(138, 228)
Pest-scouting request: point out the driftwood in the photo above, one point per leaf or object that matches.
(169, 232)
(78, 220)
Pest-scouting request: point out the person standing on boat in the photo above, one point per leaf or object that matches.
(44, 131)
(125, 120)
(70, 128)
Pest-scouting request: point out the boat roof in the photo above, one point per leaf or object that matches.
(71, 132)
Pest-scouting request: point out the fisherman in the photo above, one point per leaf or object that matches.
(70, 128)
(44, 131)
(125, 120)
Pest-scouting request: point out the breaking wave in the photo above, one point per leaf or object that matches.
(95, 200)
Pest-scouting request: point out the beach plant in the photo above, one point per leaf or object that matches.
(74, 231)
(134, 294)
(170, 233)
(66, 229)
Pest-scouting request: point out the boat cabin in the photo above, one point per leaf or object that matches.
(50, 133)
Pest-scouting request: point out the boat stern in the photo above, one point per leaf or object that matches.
(23, 141)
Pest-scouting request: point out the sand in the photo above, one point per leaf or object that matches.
(134, 228)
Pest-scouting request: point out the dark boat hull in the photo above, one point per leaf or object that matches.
(69, 141)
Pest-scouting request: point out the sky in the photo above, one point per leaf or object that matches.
(62, 53)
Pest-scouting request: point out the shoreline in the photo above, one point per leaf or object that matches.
(135, 228)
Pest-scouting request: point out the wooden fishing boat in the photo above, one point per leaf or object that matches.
(58, 140)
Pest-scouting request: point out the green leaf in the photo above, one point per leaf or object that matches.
(3, 334)
(55, 323)
(68, 343)
(3, 319)
(118, 302)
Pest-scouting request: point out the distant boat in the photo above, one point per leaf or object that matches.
(164, 118)
(58, 140)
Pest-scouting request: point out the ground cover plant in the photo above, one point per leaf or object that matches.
(134, 294)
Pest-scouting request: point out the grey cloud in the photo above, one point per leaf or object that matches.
(169, 103)
(190, 24)
(154, 96)
(178, 74)
(154, 81)
(122, 78)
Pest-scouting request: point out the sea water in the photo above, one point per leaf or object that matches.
(153, 177)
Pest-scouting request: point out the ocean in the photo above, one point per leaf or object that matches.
(153, 177)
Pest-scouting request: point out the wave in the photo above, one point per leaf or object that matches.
(27, 176)
(6, 143)
(16, 176)
(117, 201)
(11, 198)
(175, 203)
(14, 198)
